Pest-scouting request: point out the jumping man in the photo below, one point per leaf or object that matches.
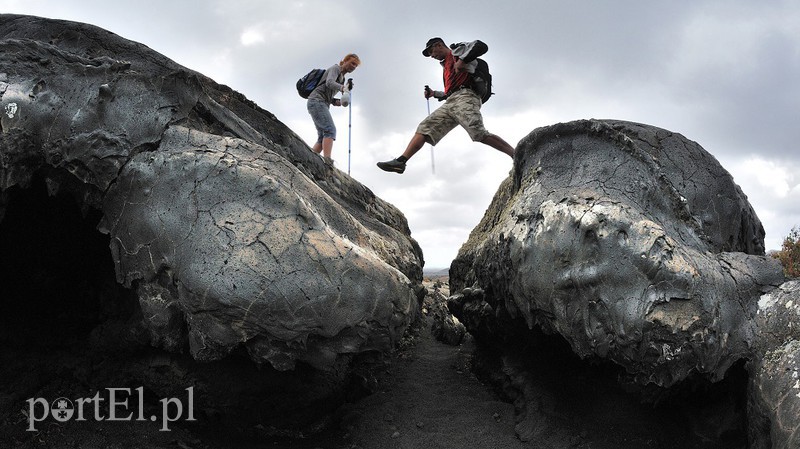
(462, 104)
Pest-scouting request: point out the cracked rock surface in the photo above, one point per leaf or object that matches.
(629, 241)
(233, 233)
(774, 390)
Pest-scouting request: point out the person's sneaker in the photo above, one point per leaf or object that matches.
(328, 161)
(394, 165)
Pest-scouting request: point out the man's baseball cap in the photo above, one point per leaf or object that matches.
(431, 41)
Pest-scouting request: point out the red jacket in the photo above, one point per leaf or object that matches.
(467, 51)
(453, 80)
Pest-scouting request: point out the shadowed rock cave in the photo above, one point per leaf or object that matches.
(58, 286)
(560, 397)
(73, 330)
(56, 271)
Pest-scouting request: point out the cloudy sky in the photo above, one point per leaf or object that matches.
(725, 74)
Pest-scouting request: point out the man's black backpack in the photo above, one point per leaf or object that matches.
(482, 80)
(309, 82)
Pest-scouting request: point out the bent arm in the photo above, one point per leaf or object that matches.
(332, 79)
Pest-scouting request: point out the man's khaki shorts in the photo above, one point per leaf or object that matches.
(463, 107)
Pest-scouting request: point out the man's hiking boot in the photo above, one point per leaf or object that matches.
(393, 165)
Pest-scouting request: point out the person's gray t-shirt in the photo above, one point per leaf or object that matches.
(331, 84)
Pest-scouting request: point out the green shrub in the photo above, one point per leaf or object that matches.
(789, 254)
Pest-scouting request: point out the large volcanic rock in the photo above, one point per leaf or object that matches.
(629, 241)
(252, 252)
(233, 233)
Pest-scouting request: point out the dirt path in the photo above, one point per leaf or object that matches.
(430, 399)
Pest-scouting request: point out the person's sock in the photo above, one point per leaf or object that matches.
(402, 159)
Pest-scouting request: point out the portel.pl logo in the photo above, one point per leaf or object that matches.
(115, 408)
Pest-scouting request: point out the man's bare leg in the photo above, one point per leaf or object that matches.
(499, 144)
(415, 144)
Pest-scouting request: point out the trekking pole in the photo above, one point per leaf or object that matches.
(349, 126)
(428, 99)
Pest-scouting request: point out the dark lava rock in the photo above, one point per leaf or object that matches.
(630, 242)
(235, 238)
